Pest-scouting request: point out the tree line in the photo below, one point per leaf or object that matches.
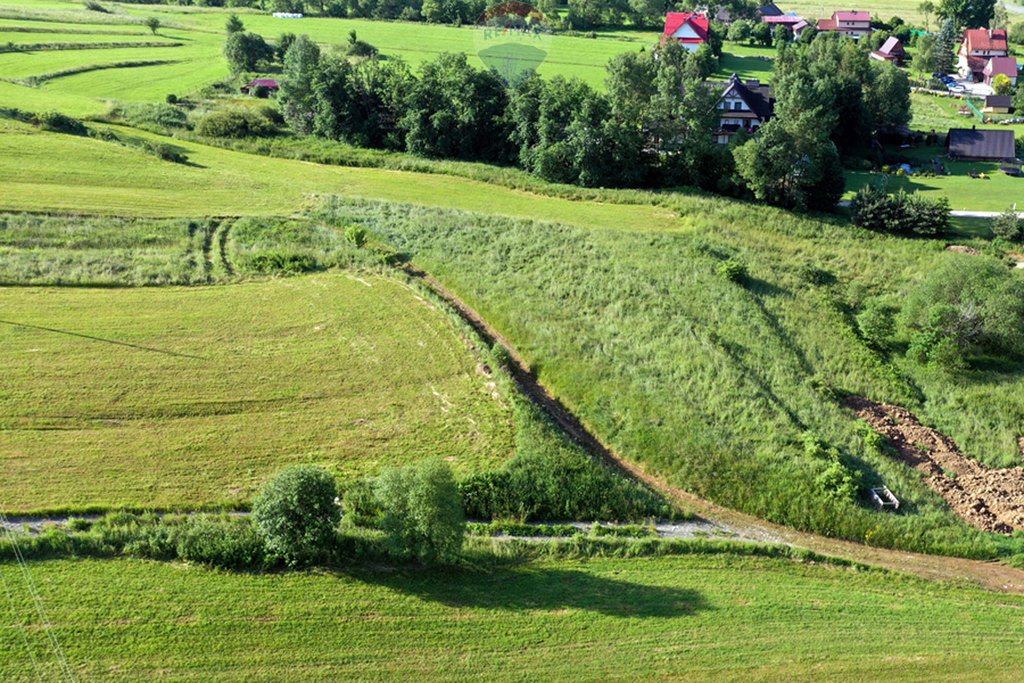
(653, 127)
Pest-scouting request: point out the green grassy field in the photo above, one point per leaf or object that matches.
(97, 177)
(184, 397)
(699, 618)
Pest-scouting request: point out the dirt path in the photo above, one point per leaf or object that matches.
(991, 575)
(991, 500)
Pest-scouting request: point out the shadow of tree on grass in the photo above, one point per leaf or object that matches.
(531, 588)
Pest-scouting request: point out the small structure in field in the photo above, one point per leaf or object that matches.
(997, 104)
(884, 499)
(970, 144)
(267, 86)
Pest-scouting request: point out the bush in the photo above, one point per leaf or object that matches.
(968, 305)
(733, 271)
(899, 213)
(232, 544)
(280, 262)
(166, 152)
(234, 123)
(246, 51)
(1008, 226)
(422, 511)
(61, 123)
(877, 323)
(154, 114)
(171, 98)
(356, 235)
(296, 514)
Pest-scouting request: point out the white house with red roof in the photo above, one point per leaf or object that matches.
(978, 47)
(688, 29)
(1000, 65)
(848, 22)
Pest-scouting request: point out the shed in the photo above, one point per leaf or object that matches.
(891, 51)
(270, 84)
(970, 144)
(998, 104)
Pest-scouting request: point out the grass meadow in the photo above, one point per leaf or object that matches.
(711, 383)
(708, 617)
(192, 397)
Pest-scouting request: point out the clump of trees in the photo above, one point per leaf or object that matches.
(236, 122)
(246, 51)
(966, 307)
(421, 511)
(899, 213)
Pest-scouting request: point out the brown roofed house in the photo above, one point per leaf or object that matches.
(891, 51)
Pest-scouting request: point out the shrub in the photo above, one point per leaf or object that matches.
(171, 98)
(356, 234)
(422, 511)
(899, 213)
(877, 323)
(296, 514)
(61, 123)
(154, 114)
(280, 262)
(94, 6)
(230, 543)
(166, 152)
(733, 271)
(359, 48)
(234, 123)
(1008, 226)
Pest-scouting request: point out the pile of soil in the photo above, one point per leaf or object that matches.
(989, 499)
(961, 249)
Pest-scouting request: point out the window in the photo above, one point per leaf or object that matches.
(737, 105)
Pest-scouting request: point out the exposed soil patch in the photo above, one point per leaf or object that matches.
(962, 249)
(992, 500)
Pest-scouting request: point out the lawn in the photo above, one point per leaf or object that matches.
(748, 63)
(932, 112)
(186, 397)
(97, 177)
(997, 192)
(714, 617)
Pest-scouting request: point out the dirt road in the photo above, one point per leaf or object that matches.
(990, 575)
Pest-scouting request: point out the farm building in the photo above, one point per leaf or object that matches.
(794, 23)
(269, 85)
(688, 29)
(849, 23)
(1000, 65)
(970, 144)
(998, 104)
(891, 51)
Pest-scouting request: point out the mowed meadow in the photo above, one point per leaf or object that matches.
(193, 397)
(701, 617)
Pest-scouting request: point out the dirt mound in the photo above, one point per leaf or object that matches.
(992, 500)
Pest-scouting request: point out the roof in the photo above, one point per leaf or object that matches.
(993, 40)
(698, 22)
(800, 25)
(892, 46)
(757, 96)
(1001, 65)
(265, 82)
(981, 144)
(785, 19)
(852, 16)
(769, 10)
(999, 101)
(827, 24)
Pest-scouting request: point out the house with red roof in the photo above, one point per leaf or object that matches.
(687, 28)
(265, 86)
(849, 22)
(977, 48)
(1000, 65)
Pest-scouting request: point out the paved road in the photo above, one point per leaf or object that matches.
(957, 213)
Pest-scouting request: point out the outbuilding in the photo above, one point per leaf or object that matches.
(970, 144)
(998, 104)
(269, 86)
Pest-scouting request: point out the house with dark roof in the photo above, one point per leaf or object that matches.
(269, 86)
(970, 144)
(853, 24)
(978, 46)
(769, 10)
(891, 51)
(745, 105)
(1000, 65)
(998, 104)
(688, 29)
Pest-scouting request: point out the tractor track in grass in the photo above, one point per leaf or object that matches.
(991, 575)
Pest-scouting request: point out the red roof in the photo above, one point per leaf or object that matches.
(698, 22)
(785, 20)
(852, 16)
(826, 24)
(1001, 65)
(986, 39)
(265, 82)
